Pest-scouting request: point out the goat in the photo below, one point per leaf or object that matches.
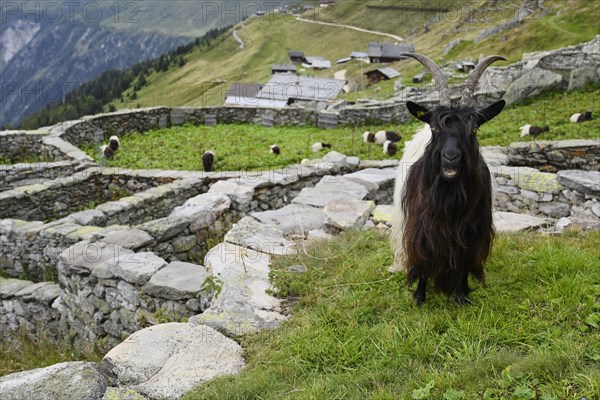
(275, 149)
(533, 131)
(107, 151)
(382, 136)
(578, 117)
(318, 146)
(390, 148)
(114, 143)
(442, 227)
(208, 159)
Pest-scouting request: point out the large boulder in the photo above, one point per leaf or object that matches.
(167, 360)
(65, 381)
(532, 83)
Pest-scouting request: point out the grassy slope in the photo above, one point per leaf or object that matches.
(247, 146)
(268, 39)
(356, 334)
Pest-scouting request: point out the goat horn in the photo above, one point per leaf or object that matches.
(467, 95)
(440, 79)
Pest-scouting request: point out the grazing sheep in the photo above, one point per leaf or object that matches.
(275, 149)
(114, 143)
(442, 226)
(533, 131)
(578, 117)
(107, 151)
(368, 137)
(316, 147)
(208, 160)
(390, 148)
(382, 136)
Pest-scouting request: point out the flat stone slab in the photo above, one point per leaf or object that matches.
(240, 195)
(331, 188)
(513, 222)
(113, 393)
(293, 219)
(378, 164)
(251, 234)
(586, 182)
(136, 268)
(380, 177)
(383, 213)
(177, 281)
(65, 381)
(167, 360)
(88, 217)
(530, 178)
(202, 210)
(84, 257)
(129, 238)
(10, 287)
(163, 229)
(347, 214)
(494, 155)
(243, 306)
(44, 292)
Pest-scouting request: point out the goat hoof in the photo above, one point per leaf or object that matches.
(420, 300)
(462, 299)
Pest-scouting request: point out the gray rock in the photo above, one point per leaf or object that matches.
(339, 159)
(582, 76)
(240, 195)
(346, 214)
(242, 306)
(318, 234)
(9, 287)
(42, 292)
(136, 268)
(555, 209)
(584, 225)
(378, 164)
(532, 83)
(383, 213)
(163, 229)
(88, 218)
(379, 177)
(129, 238)
(65, 381)
(177, 281)
(202, 210)
(494, 155)
(297, 268)
(331, 188)
(512, 222)
(255, 235)
(113, 393)
(181, 357)
(586, 182)
(293, 219)
(84, 256)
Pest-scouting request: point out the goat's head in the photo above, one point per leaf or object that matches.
(454, 146)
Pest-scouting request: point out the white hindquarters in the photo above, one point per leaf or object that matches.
(413, 150)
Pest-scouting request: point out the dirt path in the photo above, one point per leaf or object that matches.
(240, 41)
(353, 28)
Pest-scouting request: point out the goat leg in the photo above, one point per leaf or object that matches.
(462, 291)
(419, 294)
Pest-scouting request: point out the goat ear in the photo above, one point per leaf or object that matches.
(490, 112)
(418, 111)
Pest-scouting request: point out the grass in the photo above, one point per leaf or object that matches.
(22, 352)
(240, 147)
(532, 332)
(553, 109)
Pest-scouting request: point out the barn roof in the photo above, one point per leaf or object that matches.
(282, 88)
(283, 67)
(388, 50)
(389, 73)
(244, 89)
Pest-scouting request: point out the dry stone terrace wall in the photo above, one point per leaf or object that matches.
(553, 156)
(60, 197)
(17, 144)
(14, 175)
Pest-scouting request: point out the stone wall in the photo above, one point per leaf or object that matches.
(566, 194)
(553, 156)
(31, 173)
(27, 305)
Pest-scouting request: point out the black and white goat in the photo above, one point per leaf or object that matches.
(382, 136)
(533, 131)
(579, 117)
(275, 149)
(114, 143)
(107, 151)
(390, 148)
(442, 226)
(208, 160)
(368, 137)
(318, 146)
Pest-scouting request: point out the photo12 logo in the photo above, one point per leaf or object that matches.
(49, 12)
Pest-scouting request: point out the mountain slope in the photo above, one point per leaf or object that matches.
(48, 48)
(482, 27)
